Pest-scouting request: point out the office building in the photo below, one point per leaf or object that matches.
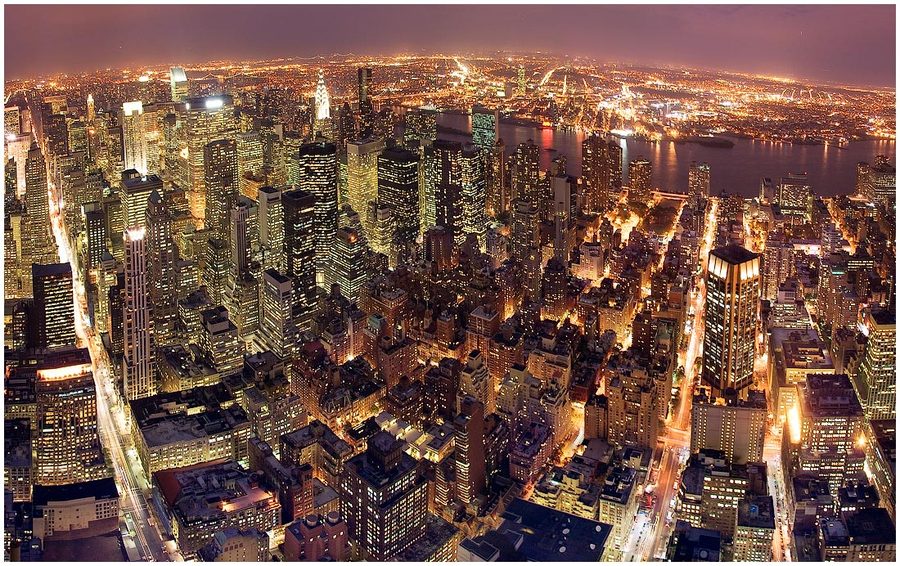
(54, 309)
(398, 189)
(729, 341)
(139, 366)
(485, 124)
(300, 249)
(876, 380)
(755, 529)
(134, 137)
(220, 170)
(135, 195)
(362, 177)
(161, 268)
(178, 83)
(271, 228)
(640, 179)
(735, 427)
(318, 176)
(347, 263)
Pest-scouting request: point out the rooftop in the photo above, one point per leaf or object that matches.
(734, 254)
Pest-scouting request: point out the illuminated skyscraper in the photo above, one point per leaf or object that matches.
(91, 112)
(136, 191)
(497, 199)
(876, 380)
(471, 476)
(362, 176)
(698, 181)
(526, 168)
(276, 325)
(795, 195)
(729, 341)
(139, 365)
(54, 310)
(134, 138)
(348, 262)
(485, 123)
(66, 446)
(323, 101)
(366, 108)
(161, 257)
(398, 188)
(421, 125)
(300, 249)
(640, 180)
(472, 178)
(178, 82)
(520, 80)
(596, 173)
(221, 181)
(37, 242)
(271, 228)
(318, 176)
(383, 499)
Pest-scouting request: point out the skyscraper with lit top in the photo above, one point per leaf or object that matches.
(139, 365)
(300, 249)
(318, 176)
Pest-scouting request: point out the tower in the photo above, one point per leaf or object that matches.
(318, 176)
(640, 180)
(271, 228)
(134, 139)
(484, 127)
(362, 176)
(398, 188)
(221, 181)
(161, 256)
(54, 309)
(698, 181)
(876, 380)
(178, 83)
(139, 363)
(300, 249)
(729, 341)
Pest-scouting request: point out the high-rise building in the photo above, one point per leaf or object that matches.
(596, 173)
(364, 100)
(383, 499)
(66, 446)
(161, 269)
(633, 410)
(300, 249)
(139, 366)
(398, 188)
(732, 426)
(485, 124)
(276, 326)
(37, 242)
(347, 262)
(471, 476)
(135, 195)
(134, 138)
(525, 168)
(221, 182)
(271, 228)
(421, 126)
(795, 195)
(640, 180)
(498, 196)
(472, 178)
(179, 85)
(698, 181)
(323, 101)
(54, 309)
(318, 176)
(729, 341)
(362, 177)
(876, 380)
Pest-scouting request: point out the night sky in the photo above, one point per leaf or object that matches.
(837, 44)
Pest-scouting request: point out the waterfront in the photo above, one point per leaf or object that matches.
(831, 170)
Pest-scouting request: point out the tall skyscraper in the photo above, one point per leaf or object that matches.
(698, 180)
(471, 475)
(323, 101)
(472, 178)
(362, 176)
(276, 326)
(161, 258)
(221, 180)
(729, 342)
(795, 195)
(136, 191)
(347, 262)
(498, 196)
(271, 228)
(37, 242)
(66, 448)
(398, 188)
(876, 380)
(134, 138)
(596, 173)
(139, 365)
(383, 499)
(54, 307)
(366, 108)
(526, 167)
(318, 176)
(485, 124)
(300, 249)
(421, 125)
(640, 180)
(178, 83)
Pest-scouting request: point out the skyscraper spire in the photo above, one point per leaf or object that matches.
(323, 101)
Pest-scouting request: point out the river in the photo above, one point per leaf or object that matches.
(831, 170)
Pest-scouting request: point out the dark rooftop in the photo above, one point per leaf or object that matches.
(734, 254)
(101, 489)
(553, 536)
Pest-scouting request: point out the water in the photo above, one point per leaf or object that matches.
(831, 170)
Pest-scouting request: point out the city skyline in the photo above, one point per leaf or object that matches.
(790, 41)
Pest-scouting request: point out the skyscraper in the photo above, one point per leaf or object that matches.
(596, 173)
(318, 176)
(54, 309)
(37, 243)
(347, 262)
(472, 178)
(383, 499)
(276, 325)
(221, 181)
(161, 257)
(136, 191)
(640, 180)
(526, 167)
(876, 380)
(323, 101)
(366, 108)
(485, 123)
(698, 180)
(134, 138)
(362, 176)
(139, 365)
(178, 83)
(398, 188)
(271, 228)
(795, 195)
(300, 249)
(729, 342)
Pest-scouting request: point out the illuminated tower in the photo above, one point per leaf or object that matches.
(520, 80)
(640, 180)
(37, 242)
(497, 197)
(136, 191)
(398, 188)
(66, 447)
(318, 176)
(276, 325)
(178, 83)
(362, 176)
(221, 180)
(323, 101)
(876, 380)
(596, 173)
(271, 228)
(526, 167)
(54, 310)
(698, 181)
(348, 262)
(729, 341)
(421, 125)
(91, 113)
(472, 179)
(161, 257)
(134, 139)
(366, 108)
(139, 364)
(484, 127)
(300, 249)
